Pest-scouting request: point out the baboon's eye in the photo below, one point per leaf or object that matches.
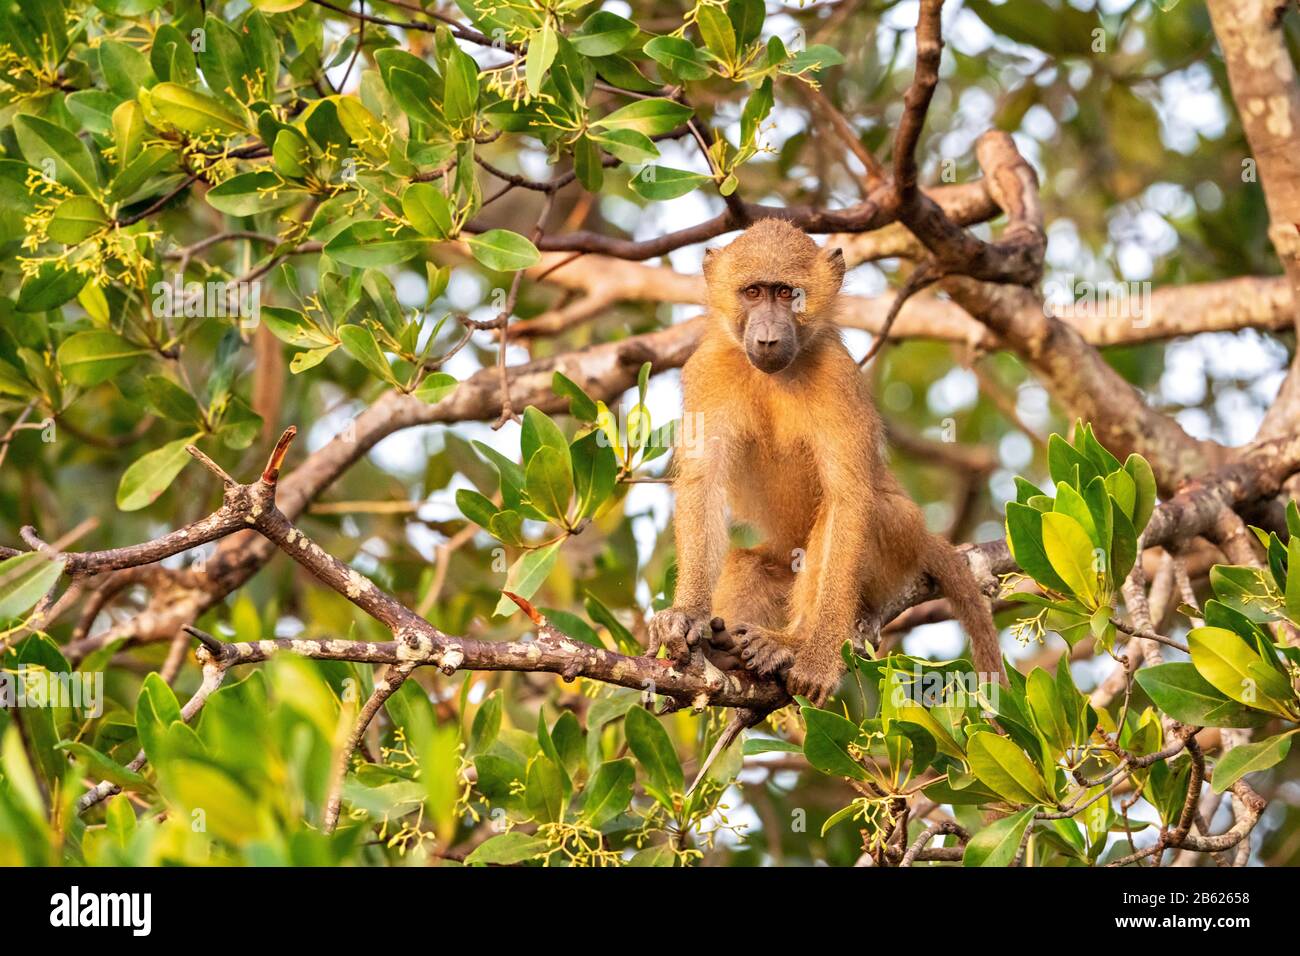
(785, 292)
(752, 292)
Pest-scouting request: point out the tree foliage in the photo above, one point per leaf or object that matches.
(222, 219)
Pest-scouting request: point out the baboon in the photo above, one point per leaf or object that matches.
(791, 444)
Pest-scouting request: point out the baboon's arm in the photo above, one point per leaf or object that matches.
(826, 594)
(700, 523)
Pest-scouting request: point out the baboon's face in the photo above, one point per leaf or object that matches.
(770, 288)
(768, 324)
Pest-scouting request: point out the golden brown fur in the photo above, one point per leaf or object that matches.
(796, 453)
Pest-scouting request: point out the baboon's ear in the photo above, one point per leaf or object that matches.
(710, 260)
(835, 259)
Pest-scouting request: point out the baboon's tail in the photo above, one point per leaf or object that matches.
(740, 721)
(969, 606)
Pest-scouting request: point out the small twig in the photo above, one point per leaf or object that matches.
(387, 682)
(942, 828)
(925, 274)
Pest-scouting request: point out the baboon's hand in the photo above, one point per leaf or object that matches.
(815, 674)
(677, 631)
(722, 649)
(763, 650)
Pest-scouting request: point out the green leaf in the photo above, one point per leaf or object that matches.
(1145, 486)
(650, 117)
(1086, 441)
(680, 57)
(46, 145)
(13, 382)
(1121, 486)
(1250, 758)
(602, 615)
(503, 250)
(130, 184)
(570, 742)
(1070, 503)
(549, 481)
(551, 751)
(587, 164)
(815, 58)
(222, 60)
(310, 359)
(762, 745)
(290, 154)
(294, 328)
(659, 183)
(1180, 691)
(595, 472)
(359, 342)
(511, 475)
(414, 95)
(460, 72)
(527, 574)
(746, 19)
(50, 287)
(172, 402)
(93, 109)
(88, 358)
(1063, 459)
(487, 724)
(156, 709)
(25, 579)
(102, 767)
(627, 145)
(717, 32)
(1057, 30)
(1025, 538)
(757, 107)
(540, 431)
(507, 849)
(261, 55)
(826, 744)
(1123, 546)
(542, 47)
(1003, 767)
(150, 475)
(251, 193)
(374, 243)
(910, 712)
(659, 855)
(1293, 579)
(191, 111)
(1234, 668)
(1048, 712)
(476, 507)
(436, 387)
(609, 792)
(603, 33)
(654, 750)
(1070, 552)
(427, 209)
(1241, 588)
(75, 219)
(998, 843)
(580, 404)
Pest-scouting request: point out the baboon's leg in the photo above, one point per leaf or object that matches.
(753, 592)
